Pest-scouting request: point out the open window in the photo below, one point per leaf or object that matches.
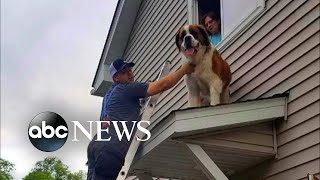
(234, 16)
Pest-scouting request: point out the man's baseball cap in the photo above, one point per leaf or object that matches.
(118, 65)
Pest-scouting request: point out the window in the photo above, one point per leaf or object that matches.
(234, 16)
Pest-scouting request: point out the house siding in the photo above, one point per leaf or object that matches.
(152, 42)
(280, 53)
(255, 138)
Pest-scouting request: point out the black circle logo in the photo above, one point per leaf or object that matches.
(48, 131)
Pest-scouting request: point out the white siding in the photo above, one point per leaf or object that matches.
(280, 53)
(152, 42)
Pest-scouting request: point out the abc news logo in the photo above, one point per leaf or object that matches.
(48, 131)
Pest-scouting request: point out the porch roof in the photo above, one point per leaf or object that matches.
(167, 153)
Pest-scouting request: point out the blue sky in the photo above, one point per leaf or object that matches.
(49, 54)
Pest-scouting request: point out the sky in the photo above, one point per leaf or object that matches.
(50, 51)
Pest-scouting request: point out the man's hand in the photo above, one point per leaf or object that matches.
(188, 68)
(105, 123)
(170, 80)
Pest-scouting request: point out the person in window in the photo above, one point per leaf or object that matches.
(212, 23)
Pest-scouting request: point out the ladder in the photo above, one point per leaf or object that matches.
(146, 115)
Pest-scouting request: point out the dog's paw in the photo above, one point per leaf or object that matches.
(195, 102)
(205, 100)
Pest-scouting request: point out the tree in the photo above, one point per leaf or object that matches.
(53, 168)
(38, 175)
(5, 168)
(80, 175)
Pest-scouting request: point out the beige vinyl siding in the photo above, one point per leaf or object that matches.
(152, 42)
(148, 49)
(280, 53)
(251, 138)
(300, 117)
(247, 137)
(300, 142)
(277, 58)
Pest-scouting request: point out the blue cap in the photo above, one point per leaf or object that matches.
(118, 65)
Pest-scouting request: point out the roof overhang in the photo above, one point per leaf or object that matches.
(170, 136)
(118, 36)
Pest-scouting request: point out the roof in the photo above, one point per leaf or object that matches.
(115, 45)
(199, 109)
(202, 126)
(193, 121)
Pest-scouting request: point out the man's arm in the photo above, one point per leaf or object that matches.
(169, 81)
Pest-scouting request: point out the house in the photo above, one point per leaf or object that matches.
(272, 47)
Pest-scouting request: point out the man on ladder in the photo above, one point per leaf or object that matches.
(122, 103)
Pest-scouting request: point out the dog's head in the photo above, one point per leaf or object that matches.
(192, 38)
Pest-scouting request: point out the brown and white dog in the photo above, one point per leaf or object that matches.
(209, 84)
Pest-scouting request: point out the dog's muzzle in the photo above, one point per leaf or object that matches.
(190, 50)
(188, 42)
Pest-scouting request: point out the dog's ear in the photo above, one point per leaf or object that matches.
(204, 35)
(178, 40)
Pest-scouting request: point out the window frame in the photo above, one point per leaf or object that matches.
(193, 18)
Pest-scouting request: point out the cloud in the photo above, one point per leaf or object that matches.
(49, 54)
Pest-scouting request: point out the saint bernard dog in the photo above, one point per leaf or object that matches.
(209, 83)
